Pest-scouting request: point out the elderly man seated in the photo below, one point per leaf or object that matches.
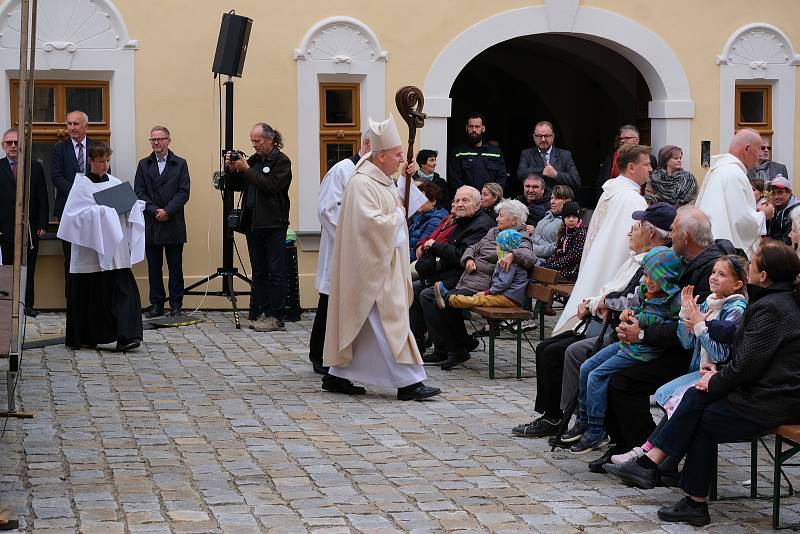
(558, 358)
(446, 327)
(441, 261)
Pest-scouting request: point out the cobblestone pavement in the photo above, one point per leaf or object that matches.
(209, 429)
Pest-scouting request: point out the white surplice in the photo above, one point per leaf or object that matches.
(330, 200)
(727, 198)
(606, 247)
(102, 239)
(373, 361)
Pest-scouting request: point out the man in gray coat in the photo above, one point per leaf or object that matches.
(162, 181)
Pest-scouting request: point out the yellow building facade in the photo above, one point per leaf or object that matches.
(684, 71)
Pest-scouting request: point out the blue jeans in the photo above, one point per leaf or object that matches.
(594, 378)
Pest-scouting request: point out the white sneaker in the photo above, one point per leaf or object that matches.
(633, 454)
(529, 324)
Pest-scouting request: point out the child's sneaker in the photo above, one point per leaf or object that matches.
(574, 434)
(441, 294)
(590, 442)
(633, 454)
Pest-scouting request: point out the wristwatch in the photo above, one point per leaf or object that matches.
(641, 335)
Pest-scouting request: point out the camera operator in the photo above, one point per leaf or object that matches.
(264, 180)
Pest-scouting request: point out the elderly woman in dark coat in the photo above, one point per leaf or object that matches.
(446, 327)
(756, 392)
(669, 182)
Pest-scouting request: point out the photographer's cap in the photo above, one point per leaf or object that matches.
(384, 135)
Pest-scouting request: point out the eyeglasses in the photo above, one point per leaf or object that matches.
(158, 139)
(12, 143)
(544, 136)
(628, 138)
(765, 147)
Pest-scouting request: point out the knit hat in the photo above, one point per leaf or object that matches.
(664, 267)
(570, 209)
(509, 239)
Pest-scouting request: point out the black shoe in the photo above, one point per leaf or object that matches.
(633, 474)
(176, 311)
(155, 310)
(124, 345)
(471, 344)
(417, 392)
(320, 369)
(341, 385)
(599, 465)
(574, 434)
(11, 524)
(560, 444)
(455, 358)
(538, 428)
(683, 512)
(436, 357)
(30, 311)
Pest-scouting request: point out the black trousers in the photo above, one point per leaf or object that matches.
(317, 342)
(446, 327)
(33, 253)
(415, 316)
(628, 418)
(155, 263)
(267, 248)
(550, 371)
(701, 421)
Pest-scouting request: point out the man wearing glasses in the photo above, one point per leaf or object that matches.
(162, 182)
(38, 211)
(766, 169)
(555, 164)
(628, 135)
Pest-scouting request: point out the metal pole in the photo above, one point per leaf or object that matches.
(20, 220)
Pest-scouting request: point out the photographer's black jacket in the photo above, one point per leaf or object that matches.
(265, 190)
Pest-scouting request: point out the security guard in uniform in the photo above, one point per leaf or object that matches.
(475, 163)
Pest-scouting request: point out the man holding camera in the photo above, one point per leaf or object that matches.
(264, 180)
(162, 182)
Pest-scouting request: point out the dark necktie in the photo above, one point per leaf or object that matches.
(14, 172)
(81, 162)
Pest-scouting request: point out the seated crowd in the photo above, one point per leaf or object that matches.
(683, 316)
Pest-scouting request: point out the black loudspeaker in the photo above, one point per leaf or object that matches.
(234, 33)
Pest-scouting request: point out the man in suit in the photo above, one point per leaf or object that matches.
(628, 135)
(555, 164)
(69, 159)
(766, 168)
(162, 181)
(38, 211)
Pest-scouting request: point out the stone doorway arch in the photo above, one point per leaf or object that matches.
(670, 110)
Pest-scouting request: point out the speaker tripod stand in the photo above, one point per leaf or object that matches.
(227, 273)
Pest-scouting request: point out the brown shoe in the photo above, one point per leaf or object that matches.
(267, 324)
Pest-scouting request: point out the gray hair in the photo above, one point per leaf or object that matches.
(17, 132)
(516, 210)
(660, 234)
(81, 113)
(474, 193)
(696, 224)
(629, 127)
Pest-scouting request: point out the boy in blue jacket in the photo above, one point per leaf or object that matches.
(508, 287)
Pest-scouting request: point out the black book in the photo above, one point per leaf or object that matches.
(120, 197)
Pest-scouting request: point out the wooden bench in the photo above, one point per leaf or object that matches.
(784, 435)
(546, 289)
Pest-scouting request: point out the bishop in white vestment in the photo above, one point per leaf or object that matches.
(368, 338)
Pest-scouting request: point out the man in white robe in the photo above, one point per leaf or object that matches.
(606, 247)
(727, 197)
(103, 303)
(330, 200)
(368, 338)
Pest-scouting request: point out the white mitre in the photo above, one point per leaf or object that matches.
(384, 135)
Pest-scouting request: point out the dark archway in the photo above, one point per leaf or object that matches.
(585, 89)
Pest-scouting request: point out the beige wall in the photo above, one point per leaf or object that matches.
(174, 84)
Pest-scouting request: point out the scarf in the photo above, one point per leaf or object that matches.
(428, 177)
(677, 190)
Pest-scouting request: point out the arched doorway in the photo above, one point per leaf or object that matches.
(669, 110)
(585, 89)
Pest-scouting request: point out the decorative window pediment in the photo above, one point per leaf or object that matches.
(340, 40)
(758, 46)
